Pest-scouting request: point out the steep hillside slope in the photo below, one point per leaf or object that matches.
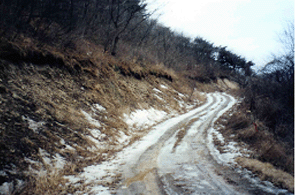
(62, 110)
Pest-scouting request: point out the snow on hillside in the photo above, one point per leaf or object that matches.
(141, 119)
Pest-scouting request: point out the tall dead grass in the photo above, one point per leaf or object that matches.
(266, 171)
(55, 94)
(50, 182)
(271, 159)
(266, 146)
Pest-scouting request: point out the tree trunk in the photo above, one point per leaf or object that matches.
(114, 46)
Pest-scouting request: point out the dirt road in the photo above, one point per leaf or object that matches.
(178, 158)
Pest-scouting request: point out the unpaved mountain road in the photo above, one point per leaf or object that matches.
(180, 161)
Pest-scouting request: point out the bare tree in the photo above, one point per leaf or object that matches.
(121, 13)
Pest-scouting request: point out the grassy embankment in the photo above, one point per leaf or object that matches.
(45, 92)
(271, 158)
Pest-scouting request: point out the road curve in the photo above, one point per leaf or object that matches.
(179, 160)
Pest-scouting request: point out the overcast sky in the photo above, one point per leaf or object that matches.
(249, 28)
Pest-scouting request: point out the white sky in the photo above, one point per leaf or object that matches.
(249, 28)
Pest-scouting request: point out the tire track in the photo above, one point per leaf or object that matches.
(150, 173)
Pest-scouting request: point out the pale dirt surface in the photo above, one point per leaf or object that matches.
(227, 84)
(174, 164)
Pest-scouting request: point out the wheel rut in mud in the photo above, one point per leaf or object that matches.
(180, 161)
(151, 175)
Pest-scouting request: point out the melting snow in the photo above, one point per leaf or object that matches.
(95, 133)
(159, 97)
(157, 90)
(35, 126)
(91, 120)
(230, 153)
(99, 107)
(181, 103)
(231, 150)
(68, 147)
(95, 141)
(127, 158)
(58, 162)
(45, 156)
(7, 187)
(130, 155)
(181, 95)
(123, 138)
(163, 86)
(141, 119)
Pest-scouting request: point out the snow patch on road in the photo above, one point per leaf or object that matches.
(229, 154)
(230, 149)
(186, 163)
(128, 157)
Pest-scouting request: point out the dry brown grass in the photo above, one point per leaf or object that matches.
(52, 181)
(268, 152)
(238, 121)
(267, 148)
(199, 96)
(273, 151)
(56, 88)
(163, 71)
(266, 171)
(206, 87)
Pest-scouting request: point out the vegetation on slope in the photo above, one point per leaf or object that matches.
(60, 58)
(265, 118)
(43, 108)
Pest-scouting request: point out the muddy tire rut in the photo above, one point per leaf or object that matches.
(180, 161)
(151, 175)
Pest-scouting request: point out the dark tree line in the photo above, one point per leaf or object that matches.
(271, 92)
(111, 22)
(106, 20)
